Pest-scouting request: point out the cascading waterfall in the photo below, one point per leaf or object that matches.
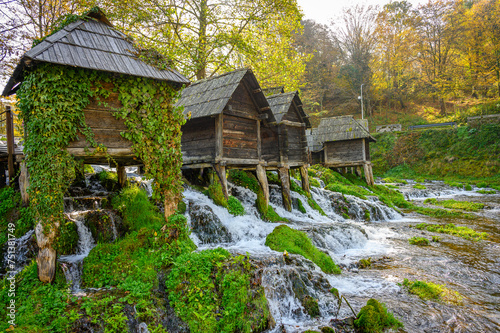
(72, 264)
(21, 251)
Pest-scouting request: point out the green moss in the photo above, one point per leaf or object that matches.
(335, 292)
(431, 291)
(327, 329)
(181, 207)
(421, 241)
(87, 168)
(348, 189)
(137, 211)
(12, 211)
(468, 187)
(109, 180)
(367, 215)
(419, 187)
(374, 317)
(394, 180)
(436, 239)
(294, 241)
(215, 193)
(454, 204)
(451, 229)
(301, 207)
(311, 306)
(212, 292)
(100, 225)
(365, 263)
(482, 185)
(235, 207)
(314, 182)
(437, 212)
(486, 192)
(453, 183)
(244, 179)
(267, 212)
(66, 238)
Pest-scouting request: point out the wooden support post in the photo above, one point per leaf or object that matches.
(285, 187)
(358, 171)
(368, 174)
(261, 176)
(10, 144)
(122, 176)
(305, 179)
(221, 173)
(24, 183)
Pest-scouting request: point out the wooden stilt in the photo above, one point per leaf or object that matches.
(261, 176)
(221, 173)
(122, 175)
(358, 171)
(305, 179)
(24, 183)
(10, 143)
(368, 173)
(285, 187)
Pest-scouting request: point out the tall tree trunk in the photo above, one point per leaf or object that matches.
(442, 105)
(201, 65)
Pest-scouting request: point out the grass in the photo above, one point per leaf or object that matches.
(453, 230)
(374, 317)
(431, 291)
(294, 241)
(454, 204)
(419, 187)
(420, 241)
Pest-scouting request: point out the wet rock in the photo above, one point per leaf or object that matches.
(207, 225)
(142, 328)
(26, 249)
(85, 203)
(105, 225)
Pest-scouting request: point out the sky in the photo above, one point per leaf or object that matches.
(322, 11)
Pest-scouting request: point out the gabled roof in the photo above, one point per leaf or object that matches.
(210, 96)
(280, 104)
(91, 43)
(338, 129)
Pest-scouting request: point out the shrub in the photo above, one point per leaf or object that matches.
(138, 212)
(294, 241)
(418, 241)
(374, 317)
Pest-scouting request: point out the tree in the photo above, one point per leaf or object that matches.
(394, 54)
(356, 40)
(22, 22)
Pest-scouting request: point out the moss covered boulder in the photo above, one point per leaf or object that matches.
(207, 226)
(105, 226)
(295, 241)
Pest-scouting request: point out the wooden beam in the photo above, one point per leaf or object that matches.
(259, 141)
(261, 176)
(218, 136)
(368, 173)
(265, 108)
(293, 123)
(221, 173)
(285, 187)
(10, 143)
(198, 159)
(263, 116)
(304, 176)
(113, 152)
(240, 114)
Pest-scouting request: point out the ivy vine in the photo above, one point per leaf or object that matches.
(52, 99)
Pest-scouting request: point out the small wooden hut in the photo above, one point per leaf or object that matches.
(342, 142)
(284, 145)
(225, 115)
(93, 43)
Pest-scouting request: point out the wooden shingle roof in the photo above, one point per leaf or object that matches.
(338, 129)
(280, 104)
(209, 97)
(91, 43)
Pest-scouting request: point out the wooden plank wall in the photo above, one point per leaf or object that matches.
(367, 150)
(198, 138)
(105, 126)
(270, 149)
(344, 151)
(297, 145)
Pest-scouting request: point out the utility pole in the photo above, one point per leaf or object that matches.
(361, 98)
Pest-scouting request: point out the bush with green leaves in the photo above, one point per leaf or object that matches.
(137, 209)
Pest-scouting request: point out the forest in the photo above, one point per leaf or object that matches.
(416, 63)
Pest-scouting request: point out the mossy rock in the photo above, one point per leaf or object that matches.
(294, 241)
(374, 317)
(108, 179)
(66, 239)
(101, 226)
(311, 306)
(207, 225)
(245, 179)
(267, 212)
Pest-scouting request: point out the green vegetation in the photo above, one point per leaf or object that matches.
(469, 155)
(301, 207)
(436, 239)
(87, 168)
(468, 187)
(374, 317)
(314, 182)
(419, 187)
(431, 291)
(454, 204)
(234, 206)
(138, 211)
(181, 207)
(486, 192)
(394, 180)
(451, 229)
(13, 214)
(244, 179)
(348, 189)
(211, 291)
(421, 241)
(365, 263)
(294, 241)
(109, 180)
(267, 212)
(66, 238)
(311, 306)
(215, 193)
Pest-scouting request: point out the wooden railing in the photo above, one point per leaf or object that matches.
(432, 125)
